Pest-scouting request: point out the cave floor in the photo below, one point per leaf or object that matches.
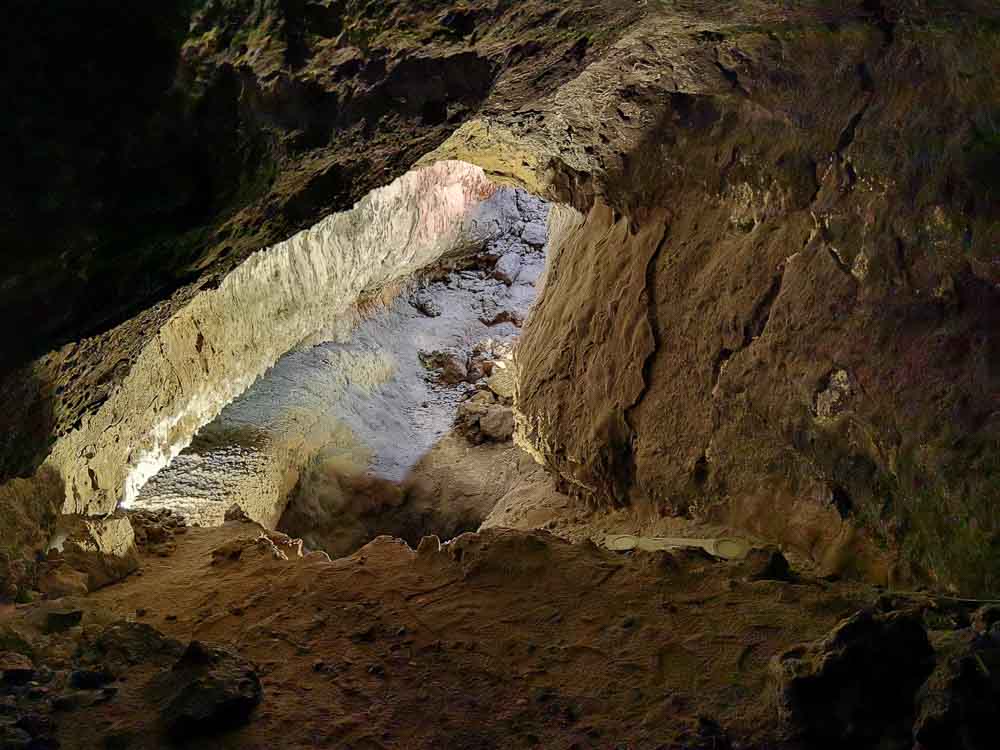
(500, 639)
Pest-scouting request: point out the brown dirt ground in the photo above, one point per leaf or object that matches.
(501, 639)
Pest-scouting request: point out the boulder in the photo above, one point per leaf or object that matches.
(507, 268)
(62, 580)
(451, 368)
(502, 381)
(15, 669)
(209, 689)
(103, 548)
(497, 423)
(130, 643)
(958, 704)
(766, 564)
(59, 621)
(856, 686)
(468, 417)
(535, 233)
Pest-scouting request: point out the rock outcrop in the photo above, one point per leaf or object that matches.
(773, 298)
(780, 309)
(856, 686)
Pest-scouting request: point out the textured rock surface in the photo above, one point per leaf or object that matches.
(212, 690)
(777, 302)
(856, 686)
(224, 338)
(197, 132)
(781, 309)
(958, 703)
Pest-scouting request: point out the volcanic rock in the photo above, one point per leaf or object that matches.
(210, 689)
(497, 423)
(507, 268)
(16, 669)
(62, 580)
(959, 702)
(857, 685)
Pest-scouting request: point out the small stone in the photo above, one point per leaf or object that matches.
(535, 233)
(766, 564)
(211, 689)
(15, 668)
(58, 622)
(508, 268)
(498, 423)
(495, 318)
(425, 304)
(88, 679)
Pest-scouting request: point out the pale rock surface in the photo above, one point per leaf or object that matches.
(225, 338)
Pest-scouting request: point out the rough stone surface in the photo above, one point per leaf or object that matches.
(858, 684)
(958, 704)
(102, 548)
(28, 512)
(497, 423)
(708, 340)
(765, 197)
(507, 268)
(212, 690)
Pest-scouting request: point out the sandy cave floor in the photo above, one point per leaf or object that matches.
(501, 639)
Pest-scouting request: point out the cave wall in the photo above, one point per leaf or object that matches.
(777, 304)
(787, 318)
(297, 291)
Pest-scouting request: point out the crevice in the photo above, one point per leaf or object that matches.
(847, 134)
(841, 500)
(700, 472)
(839, 261)
(652, 318)
(882, 20)
(720, 361)
(762, 311)
(730, 75)
(753, 328)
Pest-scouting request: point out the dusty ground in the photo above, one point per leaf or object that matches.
(504, 639)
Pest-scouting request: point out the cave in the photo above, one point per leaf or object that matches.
(501, 374)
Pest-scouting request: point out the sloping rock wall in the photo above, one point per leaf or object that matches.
(216, 346)
(782, 306)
